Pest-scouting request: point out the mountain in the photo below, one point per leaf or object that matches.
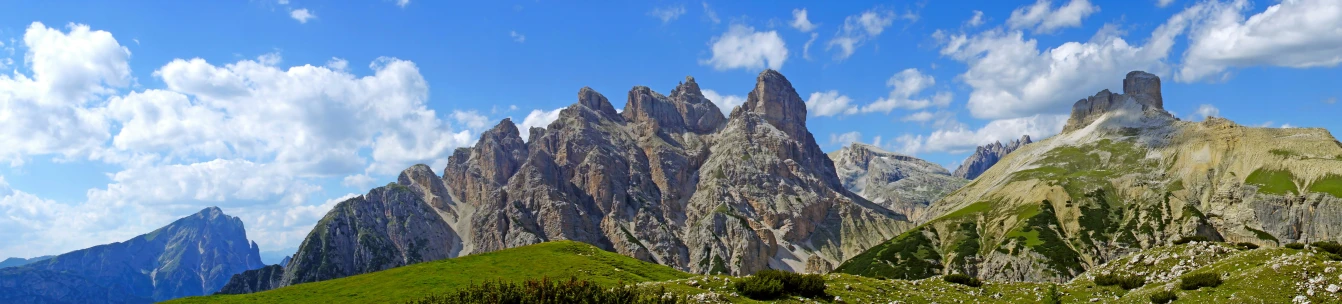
(668, 180)
(1123, 175)
(14, 262)
(194, 255)
(899, 182)
(986, 156)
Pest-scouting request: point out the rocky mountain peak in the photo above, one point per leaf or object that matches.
(591, 99)
(777, 102)
(688, 88)
(686, 110)
(1141, 98)
(986, 156)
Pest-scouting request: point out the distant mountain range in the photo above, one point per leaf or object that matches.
(14, 262)
(194, 255)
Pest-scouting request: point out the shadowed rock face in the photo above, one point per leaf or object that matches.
(986, 156)
(1124, 176)
(192, 256)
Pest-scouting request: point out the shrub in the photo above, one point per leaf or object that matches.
(1296, 246)
(759, 288)
(963, 279)
(1329, 246)
(804, 285)
(1054, 297)
(1247, 245)
(1187, 239)
(1200, 280)
(1164, 296)
(1125, 282)
(546, 291)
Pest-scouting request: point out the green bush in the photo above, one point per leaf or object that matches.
(1125, 282)
(1187, 239)
(1329, 246)
(1164, 296)
(804, 285)
(759, 288)
(1296, 246)
(1200, 280)
(963, 279)
(546, 291)
(1247, 245)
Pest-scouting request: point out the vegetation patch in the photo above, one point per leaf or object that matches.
(1246, 245)
(1127, 282)
(963, 279)
(1263, 235)
(1038, 235)
(909, 256)
(546, 291)
(974, 208)
(1330, 184)
(1285, 153)
(772, 284)
(1199, 280)
(1163, 296)
(1277, 182)
(1189, 239)
(1296, 246)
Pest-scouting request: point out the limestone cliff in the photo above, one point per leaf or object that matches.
(899, 182)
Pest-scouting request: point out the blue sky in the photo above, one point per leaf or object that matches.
(117, 117)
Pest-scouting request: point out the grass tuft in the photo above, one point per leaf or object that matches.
(963, 279)
(1200, 280)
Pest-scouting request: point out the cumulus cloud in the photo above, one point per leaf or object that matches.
(1295, 33)
(960, 138)
(800, 22)
(724, 102)
(519, 38)
(471, 119)
(976, 20)
(667, 14)
(537, 119)
(244, 134)
(904, 86)
(1204, 111)
(845, 138)
(402, 3)
(742, 47)
(302, 15)
(1011, 76)
(1163, 3)
(858, 29)
(1043, 18)
(829, 103)
(710, 14)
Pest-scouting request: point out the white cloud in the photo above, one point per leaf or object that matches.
(905, 85)
(1163, 3)
(845, 138)
(724, 102)
(1044, 19)
(1330, 100)
(742, 47)
(710, 14)
(337, 64)
(959, 138)
(858, 29)
(921, 116)
(975, 21)
(1011, 77)
(806, 49)
(358, 181)
(471, 119)
(1293, 33)
(402, 3)
(1204, 111)
(537, 119)
(667, 14)
(49, 112)
(829, 103)
(1287, 126)
(800, 22)
(302, 15)
(519, 38)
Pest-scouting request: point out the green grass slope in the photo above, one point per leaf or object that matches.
(559, 260)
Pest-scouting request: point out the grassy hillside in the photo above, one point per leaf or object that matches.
(560, 259)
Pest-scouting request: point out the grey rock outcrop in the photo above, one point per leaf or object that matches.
(902, 183)
(1140, 87)
(266, 278)
(192, 256)
(986, 156)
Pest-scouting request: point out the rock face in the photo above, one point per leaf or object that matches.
(899, 182)
(1125, 175)
(986, 156)
(266, 278)
(193, 256)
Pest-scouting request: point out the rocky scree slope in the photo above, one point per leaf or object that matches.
(901, 183)
(1123, 175)
(986, 156)
(195, 255)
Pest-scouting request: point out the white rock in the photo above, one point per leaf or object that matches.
(1300, 300)
(1333, 288)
